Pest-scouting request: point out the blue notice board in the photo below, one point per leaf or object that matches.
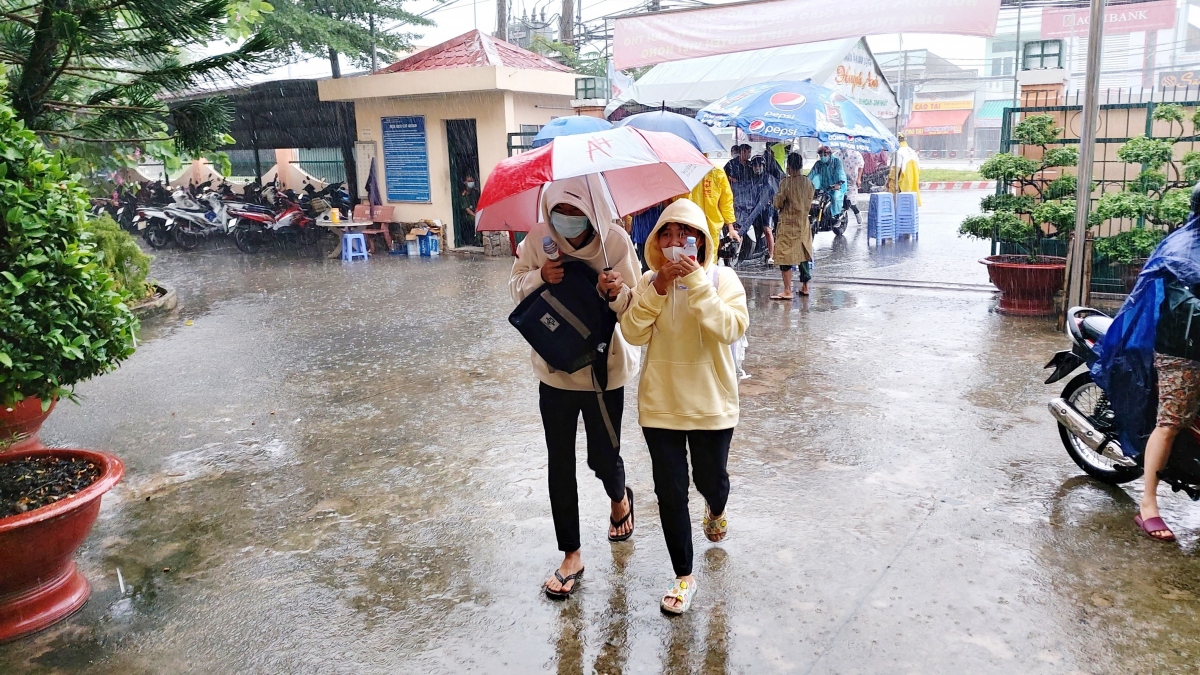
(405, 159)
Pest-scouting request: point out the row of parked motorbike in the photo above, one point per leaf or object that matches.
(262, 213)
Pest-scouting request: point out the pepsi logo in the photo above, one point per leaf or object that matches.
(786, 100)
(756, 126)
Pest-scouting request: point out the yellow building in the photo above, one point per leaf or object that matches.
(442, 116)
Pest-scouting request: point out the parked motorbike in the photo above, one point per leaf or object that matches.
(155, 225)
(1088, 426)
(255, 227)
(820, 214)
(192, 226)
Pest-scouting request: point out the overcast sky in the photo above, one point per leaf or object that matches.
(454, 17)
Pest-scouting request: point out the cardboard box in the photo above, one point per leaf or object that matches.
(412, 246)
(430, 244)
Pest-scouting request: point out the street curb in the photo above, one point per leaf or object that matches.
(960, 185)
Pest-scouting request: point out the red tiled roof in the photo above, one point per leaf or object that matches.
(474, 49)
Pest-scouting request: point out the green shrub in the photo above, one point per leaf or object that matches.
(1036, 130)
(1068, 156)
(118, 253)
(1006, 166)
(1172, 210)
(1064, 186)
(1126, 247)
(62, 320)
(1059, 213)
(1149, 151)
(1007, 202)
(1130, 205)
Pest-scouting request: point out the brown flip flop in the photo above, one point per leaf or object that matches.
(781, 296)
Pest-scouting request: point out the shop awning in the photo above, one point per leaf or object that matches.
(991, 114)
(936, 122)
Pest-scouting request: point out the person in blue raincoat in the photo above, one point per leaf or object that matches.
(1147, 365)
(829, 174)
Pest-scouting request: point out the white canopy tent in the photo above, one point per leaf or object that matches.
(844, 65)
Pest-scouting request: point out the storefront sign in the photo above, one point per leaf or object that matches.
(964, 104)
(1179, 79)
(405, 159)
(943, 130)
(647, 39)
(858, 78)
(1130, 18)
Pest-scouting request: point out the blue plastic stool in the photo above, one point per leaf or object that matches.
(354, 246)
(907, 215)
(881, 217)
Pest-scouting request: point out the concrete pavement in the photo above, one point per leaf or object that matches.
(339, 468)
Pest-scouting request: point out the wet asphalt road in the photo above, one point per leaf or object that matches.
(339, 468)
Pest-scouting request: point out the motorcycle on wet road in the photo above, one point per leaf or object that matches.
(1088, 426)
(820, 214)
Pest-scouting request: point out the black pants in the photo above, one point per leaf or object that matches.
(851, 204)
(669, 455)
(560, 417)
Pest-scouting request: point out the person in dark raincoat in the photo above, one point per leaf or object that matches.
(752, 200)
(1147, 358)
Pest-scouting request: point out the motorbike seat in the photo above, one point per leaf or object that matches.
(241, 206)
(1094, 327)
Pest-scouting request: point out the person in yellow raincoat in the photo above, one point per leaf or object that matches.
(910, 169)
(715, 197)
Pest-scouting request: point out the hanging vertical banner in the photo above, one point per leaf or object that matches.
(647, 39)
(858, 77)
(405, 159)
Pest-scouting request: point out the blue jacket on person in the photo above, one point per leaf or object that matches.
(825, 174)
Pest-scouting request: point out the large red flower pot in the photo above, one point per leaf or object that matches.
(1027, 287)
(20, 424)
(39, 584)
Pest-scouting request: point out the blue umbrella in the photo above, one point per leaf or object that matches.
(687, 128)
(569, 126)
(787, 110)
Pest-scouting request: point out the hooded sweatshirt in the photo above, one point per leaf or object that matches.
(587, 195)
(689, 381)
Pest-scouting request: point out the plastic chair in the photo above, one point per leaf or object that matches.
(881, 217)
(354, 246)
(907, 215)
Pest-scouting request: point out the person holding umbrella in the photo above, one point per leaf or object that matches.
(688, 311)
(576, 222)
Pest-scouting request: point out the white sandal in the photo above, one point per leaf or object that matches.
(681, 591)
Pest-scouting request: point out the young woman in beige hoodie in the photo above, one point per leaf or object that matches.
(688, 312)
(576, 217)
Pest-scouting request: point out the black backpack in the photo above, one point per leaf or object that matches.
(570, 326)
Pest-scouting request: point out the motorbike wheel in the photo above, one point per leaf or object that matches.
(310, 234)
(157, 234)
(839, 224)
(187, 237)
(246, 240)
(1086, 396)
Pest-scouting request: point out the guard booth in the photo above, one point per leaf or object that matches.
(438, 121)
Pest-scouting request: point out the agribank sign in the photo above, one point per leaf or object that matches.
(647, 39)
(1132, 18)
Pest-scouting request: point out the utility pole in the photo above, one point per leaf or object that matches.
(502, 20)
(374, 61)
(1017, 52)
(1078, 288)
(566, 23)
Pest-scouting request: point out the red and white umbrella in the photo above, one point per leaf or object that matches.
(640, 168)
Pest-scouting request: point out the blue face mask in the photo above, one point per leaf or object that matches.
(569, 226)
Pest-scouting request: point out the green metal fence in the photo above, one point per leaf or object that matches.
(1124, 114)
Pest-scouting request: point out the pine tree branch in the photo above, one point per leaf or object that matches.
(68, 104)
(13, 16)
(84, 139)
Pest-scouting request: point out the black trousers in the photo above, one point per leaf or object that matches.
(560, 417)
(669, 455)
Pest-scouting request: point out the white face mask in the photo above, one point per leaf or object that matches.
(673, 253)
(568, 226)
(470, 183)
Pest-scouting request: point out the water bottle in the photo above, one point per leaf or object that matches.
(690, 250)
(550, 248)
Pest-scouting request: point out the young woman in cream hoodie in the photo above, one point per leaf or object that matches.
(689, 312)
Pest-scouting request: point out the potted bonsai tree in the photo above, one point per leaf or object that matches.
(1029, 213)
(61, 322)
(1157, 201)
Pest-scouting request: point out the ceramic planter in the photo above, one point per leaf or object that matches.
(39, 583)
(1027, 287)
(21, 423)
